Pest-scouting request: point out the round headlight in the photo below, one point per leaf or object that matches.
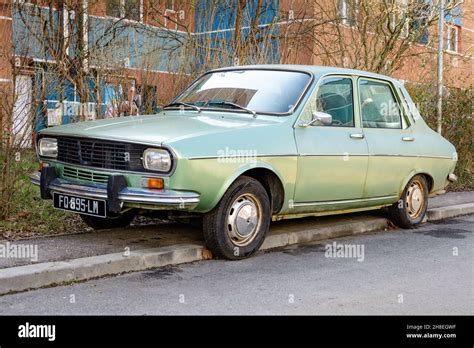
(157, 159)
(48, 147)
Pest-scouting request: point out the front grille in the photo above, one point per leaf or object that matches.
(100, 154)
(86, 175)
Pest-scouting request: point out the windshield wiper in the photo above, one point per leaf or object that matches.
(197, 108)
(226, 102)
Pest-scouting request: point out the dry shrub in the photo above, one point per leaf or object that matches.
(457, 125)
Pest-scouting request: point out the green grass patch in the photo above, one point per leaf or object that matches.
(29, 214)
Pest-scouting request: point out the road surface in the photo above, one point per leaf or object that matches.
(428, 270)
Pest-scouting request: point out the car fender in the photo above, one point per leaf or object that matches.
(241, 170)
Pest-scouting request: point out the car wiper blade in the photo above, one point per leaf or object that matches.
(197, 108)
(226, 102)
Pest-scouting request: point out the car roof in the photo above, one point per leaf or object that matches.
(316, 70)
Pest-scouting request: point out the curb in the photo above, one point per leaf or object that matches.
(40, 275)
(16, 279)
(436, 214)
(321, 233)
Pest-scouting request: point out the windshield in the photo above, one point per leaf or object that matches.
(263, 91)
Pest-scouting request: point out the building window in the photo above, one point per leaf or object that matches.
(347, 11)
(171, 15)
(129, 9)
(169, 5)
(398, 18)
(149, 100)
(452, 38)
(114, 8)
(132, 9)
(419, 31)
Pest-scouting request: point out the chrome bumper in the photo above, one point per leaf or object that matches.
(452, 177)
(165, 198)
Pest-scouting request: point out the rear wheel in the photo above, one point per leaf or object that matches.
(237, 226)
(411, 207)
(113, 221)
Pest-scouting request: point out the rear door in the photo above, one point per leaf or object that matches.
(393, 147)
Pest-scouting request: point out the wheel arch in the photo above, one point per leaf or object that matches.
(270, 179)
(428, 177)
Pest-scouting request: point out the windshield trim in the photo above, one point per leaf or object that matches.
(289, 112)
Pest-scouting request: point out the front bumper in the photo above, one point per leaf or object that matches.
(162, 199)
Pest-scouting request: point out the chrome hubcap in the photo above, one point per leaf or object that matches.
(414, 199)
(244, 219)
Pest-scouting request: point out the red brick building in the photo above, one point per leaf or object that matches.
(152, 38)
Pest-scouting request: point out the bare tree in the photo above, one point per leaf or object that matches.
(16, 118)
(68, 48)
(374, 35)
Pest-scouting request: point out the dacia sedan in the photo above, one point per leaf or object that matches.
(243, 146)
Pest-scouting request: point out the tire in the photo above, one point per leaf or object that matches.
(411, 208)
(237, 226)
(116, 221)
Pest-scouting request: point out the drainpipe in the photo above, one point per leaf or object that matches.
(85, 33)
(440, 66)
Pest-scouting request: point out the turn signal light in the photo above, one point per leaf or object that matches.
(154, 183)
(42, 165)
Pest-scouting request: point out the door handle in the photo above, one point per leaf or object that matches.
(357, 136)
(408, 139)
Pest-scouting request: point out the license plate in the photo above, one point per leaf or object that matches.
(86, 206)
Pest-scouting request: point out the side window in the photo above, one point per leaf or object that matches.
(334, 97)
(407, 116)
(379, 108)
(411, 105)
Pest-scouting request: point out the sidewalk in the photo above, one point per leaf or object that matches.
(451, 198)
(94, 254)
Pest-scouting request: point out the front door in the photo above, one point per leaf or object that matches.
(333, 158)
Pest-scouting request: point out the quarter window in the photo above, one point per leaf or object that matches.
(379, 108)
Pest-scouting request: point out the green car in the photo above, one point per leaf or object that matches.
(243, 146)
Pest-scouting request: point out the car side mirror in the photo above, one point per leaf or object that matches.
(319, 116)
(323, 117)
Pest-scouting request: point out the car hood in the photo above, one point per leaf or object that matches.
(162, 128)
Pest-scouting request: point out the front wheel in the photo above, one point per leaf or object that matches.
(113, 221)
(237, 226)
(411, 207)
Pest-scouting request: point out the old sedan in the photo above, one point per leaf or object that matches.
(243, 146)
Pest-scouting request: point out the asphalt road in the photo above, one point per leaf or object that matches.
(429, 270)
